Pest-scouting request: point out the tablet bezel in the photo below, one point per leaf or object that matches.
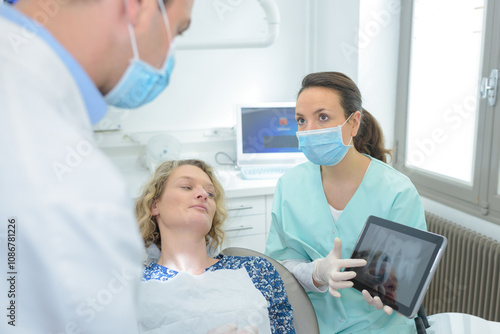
(439, 243)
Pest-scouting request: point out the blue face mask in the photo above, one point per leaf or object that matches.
(323, 146)
(141, 83)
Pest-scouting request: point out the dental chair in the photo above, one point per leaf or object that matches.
(304, 317)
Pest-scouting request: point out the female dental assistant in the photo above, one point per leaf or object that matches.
(326, 201)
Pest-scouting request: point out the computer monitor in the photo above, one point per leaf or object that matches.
(266, 134)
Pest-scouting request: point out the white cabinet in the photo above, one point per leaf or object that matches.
(246, 224)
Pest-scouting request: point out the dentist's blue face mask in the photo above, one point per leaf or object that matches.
(141, 83)
(324, 146)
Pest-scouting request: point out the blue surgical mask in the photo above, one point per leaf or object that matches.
(324, 146)
(141, 83)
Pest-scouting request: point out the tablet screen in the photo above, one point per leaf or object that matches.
(400, 263)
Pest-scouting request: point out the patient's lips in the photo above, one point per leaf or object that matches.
(200, 207)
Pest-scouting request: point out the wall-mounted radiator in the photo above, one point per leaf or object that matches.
(467, 279)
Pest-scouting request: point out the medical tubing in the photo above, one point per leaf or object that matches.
(232, 162)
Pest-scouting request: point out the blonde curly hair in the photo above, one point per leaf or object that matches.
(153, 190)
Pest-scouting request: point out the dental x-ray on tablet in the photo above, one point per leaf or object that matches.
(400, 263)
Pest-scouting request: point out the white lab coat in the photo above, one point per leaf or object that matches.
(77, 249)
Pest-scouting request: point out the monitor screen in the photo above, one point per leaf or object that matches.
(266, 133)
(267, 130)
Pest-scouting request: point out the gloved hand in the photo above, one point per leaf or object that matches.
(377, 302)
(233, 329)
(328, 270)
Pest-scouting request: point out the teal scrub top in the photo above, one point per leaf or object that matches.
(302, 228)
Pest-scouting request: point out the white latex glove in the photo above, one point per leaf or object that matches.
(377, 303)
(233, 329)
(328, 270)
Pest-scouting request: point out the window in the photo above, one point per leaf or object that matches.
(446, 133)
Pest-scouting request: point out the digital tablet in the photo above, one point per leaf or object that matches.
(400, 263)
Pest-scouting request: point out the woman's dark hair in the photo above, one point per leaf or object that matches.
(370, 138)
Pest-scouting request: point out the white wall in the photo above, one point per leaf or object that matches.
(335, 26)
(378, 61)
(206, 84)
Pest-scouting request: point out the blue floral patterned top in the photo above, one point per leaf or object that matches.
(263, 275)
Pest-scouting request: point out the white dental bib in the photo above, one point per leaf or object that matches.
(197, 303)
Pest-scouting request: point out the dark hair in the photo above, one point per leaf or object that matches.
(370, 138)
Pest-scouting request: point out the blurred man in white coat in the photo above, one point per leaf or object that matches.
(70, 249)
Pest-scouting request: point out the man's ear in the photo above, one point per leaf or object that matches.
(132, 10)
